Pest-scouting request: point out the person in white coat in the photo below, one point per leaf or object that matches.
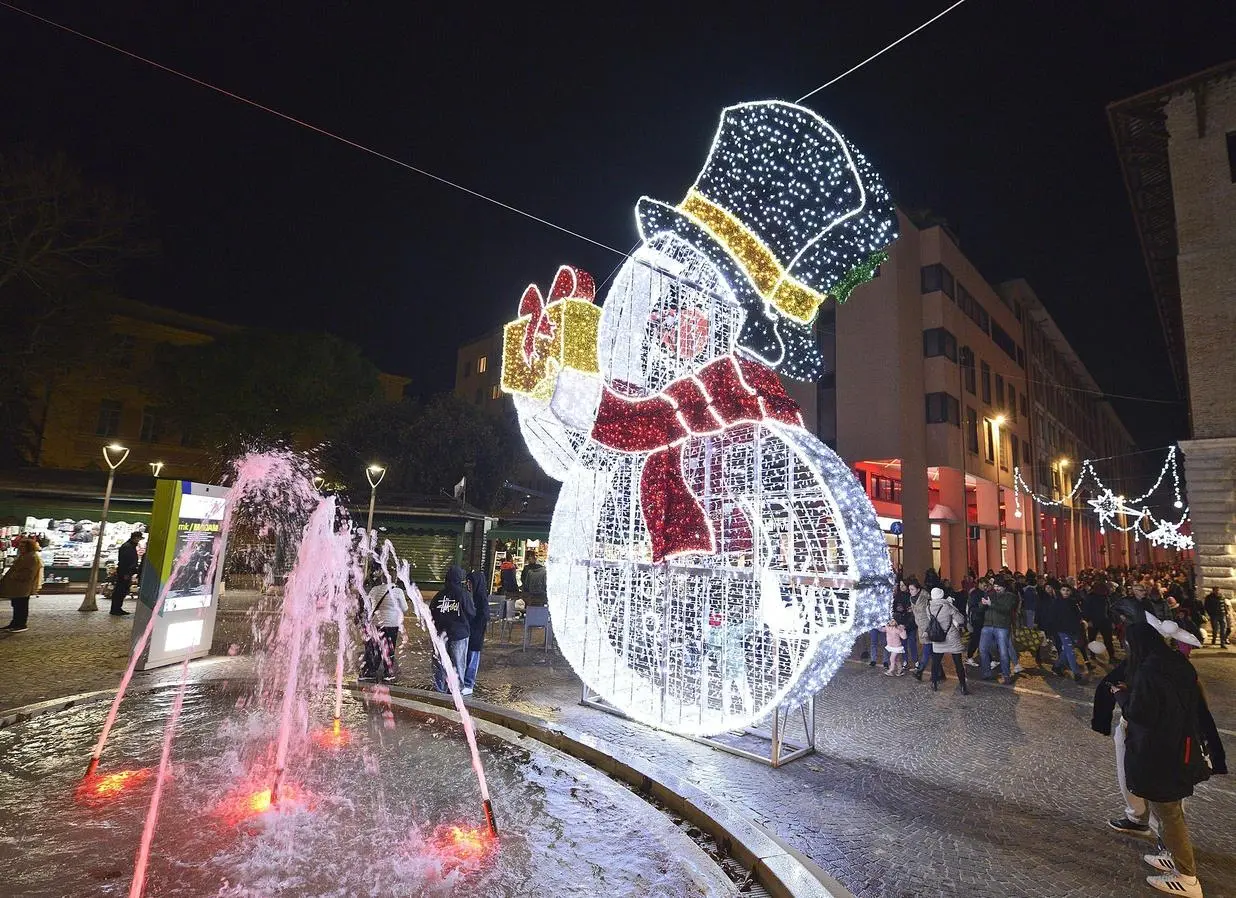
(947, 639)
(389, 603)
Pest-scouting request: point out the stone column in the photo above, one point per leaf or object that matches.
(1210, 471)
(952, 486)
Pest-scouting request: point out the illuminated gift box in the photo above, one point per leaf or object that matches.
(548, 337)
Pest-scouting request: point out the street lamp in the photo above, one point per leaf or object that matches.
(155, 468)
(374, 474)
(996, 423)
(1073, 559)
(89, 603)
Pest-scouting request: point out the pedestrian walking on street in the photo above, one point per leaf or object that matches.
(944, 628)
(452, 611)
(1066, 618)
(128, 563)
(1166, 749)
(1216, 611)
(920, 604)
(476, 636)
(894, 639)
(20, 582)
(389, 603)
(977, 609)
(1001, 607)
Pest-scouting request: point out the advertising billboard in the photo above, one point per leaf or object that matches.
(186, 535)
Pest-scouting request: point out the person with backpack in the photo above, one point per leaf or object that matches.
(1167, 749)
(944, 630)
(389, 604)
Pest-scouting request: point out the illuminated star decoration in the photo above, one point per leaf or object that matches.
(1107, 506)
(1168, 535)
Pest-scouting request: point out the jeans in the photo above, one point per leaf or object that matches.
(474, 663)
(1027, 617)
(1218, 628)
(21, 610)
(457, 649)
(925, 658)
(1000, 637)
(874, 639)
(1066, 655)
(972, 644)
(911, 645)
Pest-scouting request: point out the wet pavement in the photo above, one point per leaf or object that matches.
(912, 793)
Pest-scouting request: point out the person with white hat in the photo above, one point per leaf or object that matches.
(944, 624)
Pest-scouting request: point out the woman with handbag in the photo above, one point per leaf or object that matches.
(944, 624)
(20, 582)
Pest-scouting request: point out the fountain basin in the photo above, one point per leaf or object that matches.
(391, 810)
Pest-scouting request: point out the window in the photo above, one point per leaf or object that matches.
(1004, 456)
(495, 392)
(999, 391)
(967, 368)
(989, 441)
(885, 489)
(1025, 453)
(1014, 449)
(150, 426)
(1231, 154)
(108, 422)
(972, 430)
(943, 408)
(1025, 406)
(482, 364)
(987, 383)
(939, 341)
(1002, 339)
(937, 277)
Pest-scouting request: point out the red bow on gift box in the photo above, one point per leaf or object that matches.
(569, 283)
(725, 393)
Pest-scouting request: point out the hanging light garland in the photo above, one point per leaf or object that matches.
(1110, 507)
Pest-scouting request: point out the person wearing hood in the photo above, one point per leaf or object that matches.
(452, 611)
(944, 624)
(20, 582)
(1168, 748)
(476, 635)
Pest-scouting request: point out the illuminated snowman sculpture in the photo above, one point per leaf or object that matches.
(709, 558)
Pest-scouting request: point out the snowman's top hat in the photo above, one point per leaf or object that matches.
(789, 211)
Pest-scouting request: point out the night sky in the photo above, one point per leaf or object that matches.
(993, 117)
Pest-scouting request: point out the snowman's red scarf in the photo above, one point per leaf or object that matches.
(727, 392)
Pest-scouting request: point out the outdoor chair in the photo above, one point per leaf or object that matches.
(537, 616)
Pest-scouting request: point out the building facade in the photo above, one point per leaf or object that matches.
(1177, 148)
(939, 397)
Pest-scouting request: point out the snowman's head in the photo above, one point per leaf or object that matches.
(668, 314)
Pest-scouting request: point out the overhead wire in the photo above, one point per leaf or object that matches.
(880, 53)
(308, 125)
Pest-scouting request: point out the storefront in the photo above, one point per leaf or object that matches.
(516, 541)
(68, 529)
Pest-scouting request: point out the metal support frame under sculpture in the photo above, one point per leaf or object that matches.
(710, 560)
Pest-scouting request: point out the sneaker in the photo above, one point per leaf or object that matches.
(1077, 677)
(1017, 668)
(1161, 861)
(889, 673)
(467, 690)
(918, 674)
(120, 613)
(995, 664)
(902, 672)
(970, 662)
(1132, 827)
(1176, 884)
(13, 629)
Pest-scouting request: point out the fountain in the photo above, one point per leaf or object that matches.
(276, 787)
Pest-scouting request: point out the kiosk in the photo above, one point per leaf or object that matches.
(186, 536)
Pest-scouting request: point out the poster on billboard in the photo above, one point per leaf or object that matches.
(186, 535)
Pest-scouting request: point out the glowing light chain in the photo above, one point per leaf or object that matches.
(1110, 507)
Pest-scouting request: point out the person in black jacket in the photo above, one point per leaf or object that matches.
(127, 566)
(476, 636)
(1066, 619)
(1165, 749)
(452, 611)
(977, 611)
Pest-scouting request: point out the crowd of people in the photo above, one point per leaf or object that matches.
(460, 612)
(988, 622)
(1138, 624)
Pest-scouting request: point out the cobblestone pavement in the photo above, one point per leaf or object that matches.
(912, 793)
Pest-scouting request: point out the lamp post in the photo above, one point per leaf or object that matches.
(996, 423)
(374, 474)
(1071, 559)
(89, 603)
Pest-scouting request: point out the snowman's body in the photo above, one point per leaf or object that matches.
(700, 642)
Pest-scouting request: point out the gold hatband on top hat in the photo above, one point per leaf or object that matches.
(789, 296)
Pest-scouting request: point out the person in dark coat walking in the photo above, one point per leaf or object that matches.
(1067, 621)
(1216, 610)
(476, 637)
(127, 566)
(1166, 749)
(452, 611)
